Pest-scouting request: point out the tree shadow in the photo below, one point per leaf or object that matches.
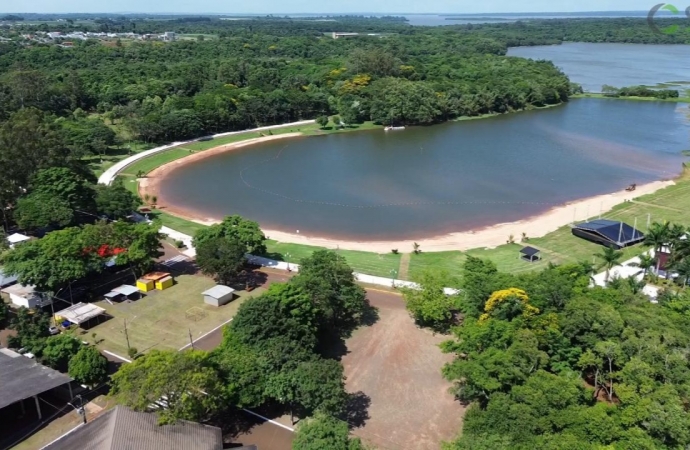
(370, 315)
(233, 423)
(356, 411)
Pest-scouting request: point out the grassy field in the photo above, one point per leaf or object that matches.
(364, 262)
(163, 319)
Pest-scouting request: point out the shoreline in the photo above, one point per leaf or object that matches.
(488, 237)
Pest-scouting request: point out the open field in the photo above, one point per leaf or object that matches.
(394, 367)
(163, 319)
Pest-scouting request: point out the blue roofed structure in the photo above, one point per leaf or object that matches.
(610, 233)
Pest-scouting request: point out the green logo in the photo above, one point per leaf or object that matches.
(671, 29)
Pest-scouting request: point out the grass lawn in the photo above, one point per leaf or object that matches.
(163, 319)
(364, 262)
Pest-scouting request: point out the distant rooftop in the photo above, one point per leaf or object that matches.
(124, 429)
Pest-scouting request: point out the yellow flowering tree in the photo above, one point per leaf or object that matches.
(510, 302)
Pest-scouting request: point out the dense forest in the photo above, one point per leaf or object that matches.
(546, 362)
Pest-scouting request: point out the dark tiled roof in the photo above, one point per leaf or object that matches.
(529, 251)
(124, 429)
(612, 230)
(21, 377)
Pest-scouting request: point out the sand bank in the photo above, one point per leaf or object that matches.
(489, 237)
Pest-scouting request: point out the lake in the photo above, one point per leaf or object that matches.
(619, 65)
(428, 181)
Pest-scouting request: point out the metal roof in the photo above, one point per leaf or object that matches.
(21, 377)
(81, 312)
(124, 429)
(21, 291)
(529, 251)
(614, 231)
(126, 289)
(218, 291)
(17, 237)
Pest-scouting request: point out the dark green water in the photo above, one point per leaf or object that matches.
(428, 181)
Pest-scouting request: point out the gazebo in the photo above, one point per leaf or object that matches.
(530, 254)
(80, 313)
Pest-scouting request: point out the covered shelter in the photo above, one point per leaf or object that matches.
(80, 313)
(26, 296)
(124, 291)
(123, 429)
(610, 233)
(218, 295)
(22, 378)
(530, 254)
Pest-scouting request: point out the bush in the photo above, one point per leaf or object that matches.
(132, 352)
(394, 251)
(88, 366)
(179, 244)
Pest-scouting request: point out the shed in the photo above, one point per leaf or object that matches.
(530, 254)
(16, 238)
(146, 285)
(25, 296)
(80, 313)
(218, 295)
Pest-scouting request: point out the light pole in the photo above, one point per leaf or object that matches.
(287, 258)
(80, 410)
(394, 275)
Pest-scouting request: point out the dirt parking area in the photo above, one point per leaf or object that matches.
(398, 367)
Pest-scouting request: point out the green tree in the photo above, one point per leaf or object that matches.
(327, 278)
(185, 380)
(39, 210)
(58, 351)
(610, 258)
(238, 229)
(88, 366)
(430, 305)
(31, 328)
(322, 121)
(324, 432)
(221, 258)
(67, 185)
(116, 201)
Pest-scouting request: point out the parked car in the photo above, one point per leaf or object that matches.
(53, 331)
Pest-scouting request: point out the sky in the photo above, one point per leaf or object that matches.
(321, 6)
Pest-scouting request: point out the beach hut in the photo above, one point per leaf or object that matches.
(218, 295)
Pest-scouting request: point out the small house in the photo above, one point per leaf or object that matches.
(155, 280)
(25, 296)
(218, 295)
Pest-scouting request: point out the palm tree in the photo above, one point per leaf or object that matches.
(636, 285)
(657, 236)
(610, 258)
(682, 268)
(646, 263)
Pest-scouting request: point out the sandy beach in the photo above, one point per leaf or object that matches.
(488, 237)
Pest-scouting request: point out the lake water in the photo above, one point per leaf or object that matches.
(593, 65)
(427, 181)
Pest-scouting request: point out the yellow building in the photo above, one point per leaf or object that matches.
(145, 285)
(164, 283)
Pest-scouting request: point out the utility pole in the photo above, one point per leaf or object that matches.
(127, 335)
(191, 341)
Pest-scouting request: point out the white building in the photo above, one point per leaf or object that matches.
(169, 36)
(16, 238)
(218, 295)
(25, 296)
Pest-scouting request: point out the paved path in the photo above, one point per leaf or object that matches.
(109, 175)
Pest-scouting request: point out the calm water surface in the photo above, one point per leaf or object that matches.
(426, 181)
(593, 65)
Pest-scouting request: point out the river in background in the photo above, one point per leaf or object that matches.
(427, 181)
(619, 65)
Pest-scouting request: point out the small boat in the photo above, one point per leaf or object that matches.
(390, 128)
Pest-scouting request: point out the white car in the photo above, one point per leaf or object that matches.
(53, 331)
